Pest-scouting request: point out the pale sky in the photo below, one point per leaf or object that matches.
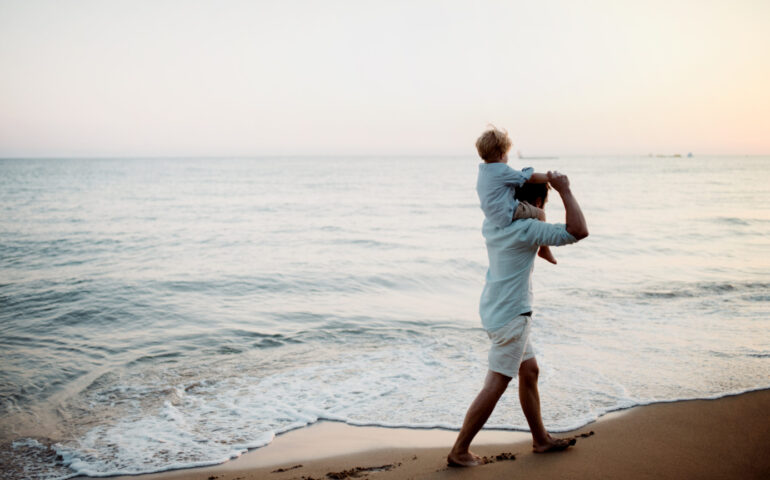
(230, 77)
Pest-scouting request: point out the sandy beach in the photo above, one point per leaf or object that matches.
(715, 439)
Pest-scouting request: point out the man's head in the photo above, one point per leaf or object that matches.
(533, 193)
(493, 145)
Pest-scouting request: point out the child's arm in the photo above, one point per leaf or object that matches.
(538, 178)
(517, 178)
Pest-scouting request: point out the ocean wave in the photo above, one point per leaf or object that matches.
(741, 221)
(309, 282)
(674, 290)
(705, 288)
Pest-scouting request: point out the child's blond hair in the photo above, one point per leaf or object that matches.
(493, 144)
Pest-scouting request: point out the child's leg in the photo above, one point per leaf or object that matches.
(544, 252)
(525, 210)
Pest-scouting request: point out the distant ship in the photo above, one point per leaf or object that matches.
(676, 155)
(518, 154)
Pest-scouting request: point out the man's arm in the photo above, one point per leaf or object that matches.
(576, 222)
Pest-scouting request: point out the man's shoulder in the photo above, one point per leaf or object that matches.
(517, 227)
(534, 225)
(524, 224)
(526, 230)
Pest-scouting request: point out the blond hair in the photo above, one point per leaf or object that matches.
(493, 144)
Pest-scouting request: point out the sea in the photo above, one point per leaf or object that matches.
(165, 313)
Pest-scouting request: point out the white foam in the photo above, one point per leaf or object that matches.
(27, 442)
(400, 386)
(412, 383)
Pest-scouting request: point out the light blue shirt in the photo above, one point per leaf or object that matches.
(496, 185)
(512, 250)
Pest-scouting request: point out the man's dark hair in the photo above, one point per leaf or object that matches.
(530, 192)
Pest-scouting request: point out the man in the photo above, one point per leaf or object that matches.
(506, 310)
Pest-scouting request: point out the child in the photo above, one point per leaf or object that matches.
(497, 184)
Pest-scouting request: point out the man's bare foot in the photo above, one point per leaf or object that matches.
(467, 459)
(545, 253)
(554, 445)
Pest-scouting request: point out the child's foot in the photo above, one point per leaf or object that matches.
(545, 253)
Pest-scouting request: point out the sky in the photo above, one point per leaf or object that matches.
(358, 77)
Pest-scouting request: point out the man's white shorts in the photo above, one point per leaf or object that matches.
(510, 346)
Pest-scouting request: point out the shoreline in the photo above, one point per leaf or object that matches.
(724, 437)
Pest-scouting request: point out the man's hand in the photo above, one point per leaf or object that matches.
(558, 181)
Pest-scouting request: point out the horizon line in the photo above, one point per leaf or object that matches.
(364, 155)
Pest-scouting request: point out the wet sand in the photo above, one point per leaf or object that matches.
(726, 438)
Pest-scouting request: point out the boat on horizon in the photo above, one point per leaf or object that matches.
(519, 155)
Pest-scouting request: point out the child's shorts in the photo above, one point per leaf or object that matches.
(510, 346)
(525, 210)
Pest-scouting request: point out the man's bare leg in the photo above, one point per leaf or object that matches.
(529, 396)
(478, 414)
